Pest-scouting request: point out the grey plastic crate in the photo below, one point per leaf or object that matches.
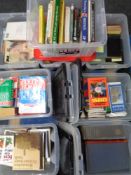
(12, 17)
(31, 72)
(127, 131)
(53, 168)
(117, 19)
(78, 157)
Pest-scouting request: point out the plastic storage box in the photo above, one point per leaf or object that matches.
(73, 134)
(12, 17)
(55, 50)
(95, 127)
(117, 19)
(51, 169)
(67, 91)
(31, 72)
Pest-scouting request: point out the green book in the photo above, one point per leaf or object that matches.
(6, 92)
(56, 21)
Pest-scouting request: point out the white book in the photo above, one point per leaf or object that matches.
(15, 31)
(67, 25)
(49, 23)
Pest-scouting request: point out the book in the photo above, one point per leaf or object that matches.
(27, 152)
(15, 31)
(41, 37)
(89, 21)
(6, 150)
(84, 20)
(48, 26)
(92, 21)
(98, 92)
(114, 29)
(71, 22)
(17, 51)
(117, 102)
(56, 21)
(7, 112)
(52, 20)
(67, 25)
(76, 25)
(6, 92)
(61, 21)
(32, 96)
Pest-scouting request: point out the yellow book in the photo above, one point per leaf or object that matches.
(41, 25)
(61, 22)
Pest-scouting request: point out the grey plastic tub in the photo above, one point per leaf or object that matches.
(31, 72)
(53, 168)
(12, 17)
(117, 19)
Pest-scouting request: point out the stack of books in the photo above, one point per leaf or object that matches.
(65, 24)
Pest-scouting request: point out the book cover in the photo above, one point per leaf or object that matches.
(56, 21)
(67, 25)
(17, 51)
(98, 92)
(117, 102)
(85, 20)
(41, 38)
(6, 92)
(6, 150)
(27, 150)
(32, 94)
(61, 21)
(48, 25)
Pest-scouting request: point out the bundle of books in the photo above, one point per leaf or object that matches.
(23, 95)
(15, 47)
(26, 149)
(64, 24)
(103, 99)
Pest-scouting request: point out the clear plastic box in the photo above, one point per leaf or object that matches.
(31, 72)
(54, 50)
(117, 19)
(126, 126)
(51, 169)
(12, 17)
(67, 104)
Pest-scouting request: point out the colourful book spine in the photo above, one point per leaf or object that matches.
(41, 25)
(67, 25)
(48, 26)
(61, 22)
(85, 20)
(56, 21)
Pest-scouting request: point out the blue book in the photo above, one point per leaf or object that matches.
(117, 102)
(85, 20)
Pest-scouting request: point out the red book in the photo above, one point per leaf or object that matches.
(98, 92)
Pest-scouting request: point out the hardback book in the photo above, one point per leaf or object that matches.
(67, 25)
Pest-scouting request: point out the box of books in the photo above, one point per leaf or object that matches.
(116, 53)
(29, 149)
(63, 29)
(90, 96)
(25, 93)
(14, 50)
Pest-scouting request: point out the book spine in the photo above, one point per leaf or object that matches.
(89, 21)
(71, 22)
(78, 25)
(93, 20)
(75, 25)
(85, 20)
(48, 26)
(56, 21)
(67, 25)
(52, 20)
(41, 37)
(61, 22)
